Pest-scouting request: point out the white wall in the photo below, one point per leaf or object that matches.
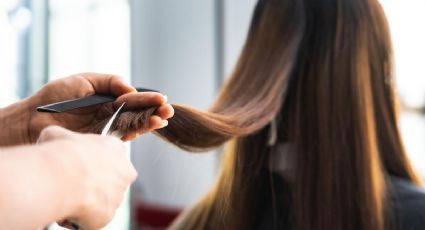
(406, 19)
(237, 16)
(173, 51)
(174, 48)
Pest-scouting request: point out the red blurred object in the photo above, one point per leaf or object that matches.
(148, 216)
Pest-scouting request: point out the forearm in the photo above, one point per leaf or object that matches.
(32, 193)
(14, 124)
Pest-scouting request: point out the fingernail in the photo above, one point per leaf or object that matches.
(164, 124)
(165, 98)
(133, 136)
(128, 137)
(124, 138)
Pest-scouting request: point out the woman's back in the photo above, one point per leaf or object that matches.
(406, 204)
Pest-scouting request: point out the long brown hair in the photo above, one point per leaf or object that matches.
(323, 70)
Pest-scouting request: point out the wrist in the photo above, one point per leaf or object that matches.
(37, 181)
(14, 120)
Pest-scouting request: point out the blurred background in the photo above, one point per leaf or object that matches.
(184, 49)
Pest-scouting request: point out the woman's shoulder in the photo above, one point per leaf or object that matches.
(408, 201)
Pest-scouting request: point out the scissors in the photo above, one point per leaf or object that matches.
(106, 129)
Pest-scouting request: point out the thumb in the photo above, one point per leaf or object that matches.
(54, 132)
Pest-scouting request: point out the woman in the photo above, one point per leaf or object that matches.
(311, 112)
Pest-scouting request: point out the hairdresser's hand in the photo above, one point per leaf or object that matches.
(94, 172)
(83, 120)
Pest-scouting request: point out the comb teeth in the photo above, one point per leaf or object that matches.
(75, 103)
(46, 110)
(96, 99)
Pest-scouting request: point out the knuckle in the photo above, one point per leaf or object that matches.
(134, 176)
(133, 173)
(51, 128)
(49, 132)
(115, 77)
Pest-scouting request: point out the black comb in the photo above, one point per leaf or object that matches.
(95, 99)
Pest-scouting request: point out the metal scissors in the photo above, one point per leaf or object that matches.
(106, 129)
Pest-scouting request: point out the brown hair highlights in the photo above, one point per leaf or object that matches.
(323, 70)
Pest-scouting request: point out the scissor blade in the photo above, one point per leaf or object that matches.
(108, 125)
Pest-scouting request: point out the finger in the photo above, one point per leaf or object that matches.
(108, 84)
(165, 111)
(69, 225)
(155, 122)
(53, 132)
(64, 224)
(130, 136)
(141, 100)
